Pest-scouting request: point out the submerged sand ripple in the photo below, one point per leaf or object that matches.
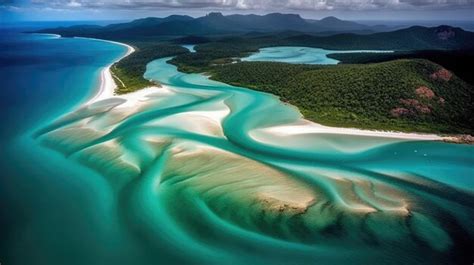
(204, 152)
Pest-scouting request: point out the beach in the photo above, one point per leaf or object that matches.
(107, 84)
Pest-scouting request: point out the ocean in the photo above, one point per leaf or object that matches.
(46, 199)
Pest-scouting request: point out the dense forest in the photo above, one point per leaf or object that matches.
(130, 69)
(460, 62)
(403, 95)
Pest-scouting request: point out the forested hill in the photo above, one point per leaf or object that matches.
(402, 95)
(459, 62)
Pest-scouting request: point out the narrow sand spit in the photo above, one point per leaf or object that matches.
(53, 36)
(308, 127)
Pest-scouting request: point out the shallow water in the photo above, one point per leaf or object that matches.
(190, 47)
(188, 176)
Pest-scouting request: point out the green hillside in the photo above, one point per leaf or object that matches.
(403, 95)
(460, 62)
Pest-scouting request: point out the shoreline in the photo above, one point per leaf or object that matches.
(107, 84)
(107, 90)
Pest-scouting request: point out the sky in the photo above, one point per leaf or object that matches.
(51, 10)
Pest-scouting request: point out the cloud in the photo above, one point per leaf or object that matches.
(73, 4)
(256, 4)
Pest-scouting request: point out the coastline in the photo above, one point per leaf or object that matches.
(107, 84)
(107, 90)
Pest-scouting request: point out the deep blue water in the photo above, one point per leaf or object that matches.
(43, 196)
(44, 76)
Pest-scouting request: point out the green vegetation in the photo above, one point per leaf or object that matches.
(460, 62)
(214, 53)
(128, 72)
(372, 96)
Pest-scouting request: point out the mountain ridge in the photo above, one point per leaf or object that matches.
(215, 23)
(284, 29)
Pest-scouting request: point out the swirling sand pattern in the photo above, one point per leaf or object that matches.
(188, 174)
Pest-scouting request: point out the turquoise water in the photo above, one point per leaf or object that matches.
(53, 210)
(304, 55)
(163, 184)
(190, 47)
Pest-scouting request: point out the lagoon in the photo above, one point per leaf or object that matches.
(300, 55)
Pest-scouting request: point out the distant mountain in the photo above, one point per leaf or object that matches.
(215, 23)
(147, 22)
(140, 27)
(289, 29)
(272, 22)
(335, 24)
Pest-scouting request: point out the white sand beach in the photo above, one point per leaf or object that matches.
(309, 127)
